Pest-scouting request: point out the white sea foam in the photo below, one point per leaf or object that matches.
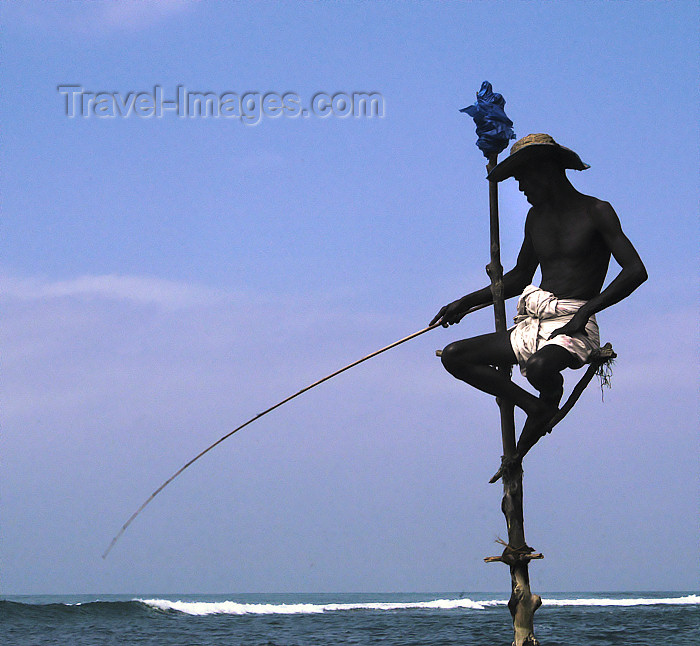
(201, 608)
(235, 608)
(689, 600)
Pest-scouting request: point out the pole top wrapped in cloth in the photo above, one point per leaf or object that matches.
(493, 128)
(531, 148)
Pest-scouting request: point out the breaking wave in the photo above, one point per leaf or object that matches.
(689, 600)
(201, 608)
(234, 608)
(143, 607)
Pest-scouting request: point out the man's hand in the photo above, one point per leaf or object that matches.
(576, 325)
(450, 314)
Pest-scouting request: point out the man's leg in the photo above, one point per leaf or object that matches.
(544, 372)
(472, 361)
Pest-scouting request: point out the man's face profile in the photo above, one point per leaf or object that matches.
(536, 179)
(531, 185)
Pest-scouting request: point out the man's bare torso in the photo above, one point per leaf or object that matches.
(569, 247)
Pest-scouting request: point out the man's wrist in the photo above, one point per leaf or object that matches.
(585, 311)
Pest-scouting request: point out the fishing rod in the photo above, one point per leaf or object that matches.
(269, 410)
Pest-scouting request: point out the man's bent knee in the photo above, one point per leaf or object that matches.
(542, 370)
(536, 368)
(485, 350)
(453, 356)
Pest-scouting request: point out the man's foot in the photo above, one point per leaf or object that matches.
(536, 426)
(507, 464)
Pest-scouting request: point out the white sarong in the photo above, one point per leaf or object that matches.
(539, 314)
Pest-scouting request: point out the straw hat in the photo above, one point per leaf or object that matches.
(531, 148)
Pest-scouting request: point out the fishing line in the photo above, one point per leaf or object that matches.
(265, 412)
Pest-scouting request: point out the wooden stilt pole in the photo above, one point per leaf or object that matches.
(517, 554)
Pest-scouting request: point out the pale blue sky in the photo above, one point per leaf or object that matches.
(165, 279)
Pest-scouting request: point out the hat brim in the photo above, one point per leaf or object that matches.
(533, 153)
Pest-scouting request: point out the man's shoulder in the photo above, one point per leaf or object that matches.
(592, 209)
(600, 215)
(594, 204)
(600, 211)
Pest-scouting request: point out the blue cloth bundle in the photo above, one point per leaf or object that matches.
(493, 127)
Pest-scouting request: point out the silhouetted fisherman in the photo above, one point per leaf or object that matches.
(571, 237)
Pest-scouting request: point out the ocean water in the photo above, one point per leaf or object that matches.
(590, 619)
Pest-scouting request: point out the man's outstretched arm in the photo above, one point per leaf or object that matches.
(514, 282)
(632, 273)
